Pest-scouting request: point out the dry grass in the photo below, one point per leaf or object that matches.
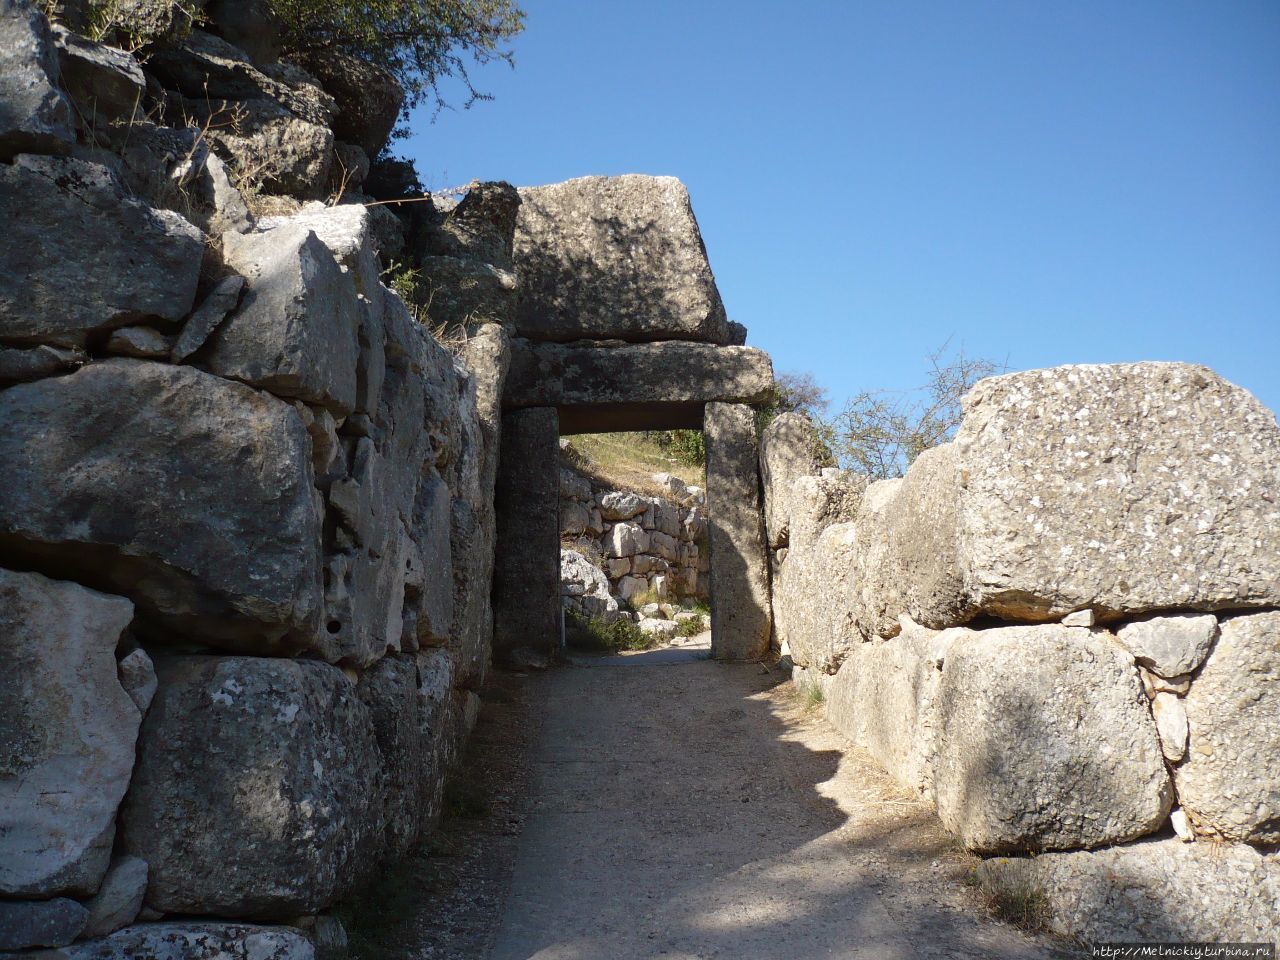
(628, 461)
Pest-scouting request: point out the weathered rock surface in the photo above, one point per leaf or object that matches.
(876, 590)
(222, 299)
(18, 365)
(193, 941)
(1152, 891)
(789, 449)
(813, 600)
(487, 354)
(1172, 645)
(614, 257)
(68, 729)
(1127, 488)
(367, 97)
(584, 587)
(40, 923)
(35, 116)
(1229, 784)
(105, 83)
(818, 502)
(551, 374)
(200, 509)
(64, 273)
(741, 620)
(258, 790)
(920, 571)
(1045, 742)
(296, 330)
(138, 678)
(884, 699)
(118, 900)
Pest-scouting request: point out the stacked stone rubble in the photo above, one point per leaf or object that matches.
(645, 545)
(246, 533)
(1059, 629)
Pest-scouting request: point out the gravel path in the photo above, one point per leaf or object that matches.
(682, 808)
(660, 805)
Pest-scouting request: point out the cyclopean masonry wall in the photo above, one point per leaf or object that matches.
(249, 519)
(1061, 629)
(247, 523)
(620, 327)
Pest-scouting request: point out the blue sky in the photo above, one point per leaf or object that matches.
(1043, 182)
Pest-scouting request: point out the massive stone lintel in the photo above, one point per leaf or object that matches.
(740, 614)
(614, 257)
(604, 373)
(526, 576)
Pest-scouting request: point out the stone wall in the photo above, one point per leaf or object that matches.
(1061, 629)
(642, 544)
(247, 524)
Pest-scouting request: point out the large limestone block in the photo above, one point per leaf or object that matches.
(1229, 784)
(1126, 488)
(189, 494)
(390, 690)
(921, 570)
(193, 941)
(64, 272)
(258, 791)
(1152, 891)
(818, 502)
(614, 257)
(884, 699)
(876, 590)
(813, 600)
(39, 923)
(296, 331)
(35, 116)
(790, 448)
(593, 374)
(741, 618)
(1045, 742)
(526, 577)
(68, 730)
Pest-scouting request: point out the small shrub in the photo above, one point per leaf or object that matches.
(812, 696)
(1023, 906)
(689, 628)
(597, 633)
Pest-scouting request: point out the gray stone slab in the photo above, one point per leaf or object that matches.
(741, 618)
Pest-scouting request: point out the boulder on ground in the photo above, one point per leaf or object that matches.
(1045, 742)
(1125, 488)
(68, 728)
(200, 509)
(1148, 892)
(614, 257)
(65, 275)
(1229, 785)
(258, 791)
(35, 116)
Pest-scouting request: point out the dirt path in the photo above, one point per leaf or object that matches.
(672, 807)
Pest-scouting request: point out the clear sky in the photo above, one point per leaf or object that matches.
(1044, 182)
